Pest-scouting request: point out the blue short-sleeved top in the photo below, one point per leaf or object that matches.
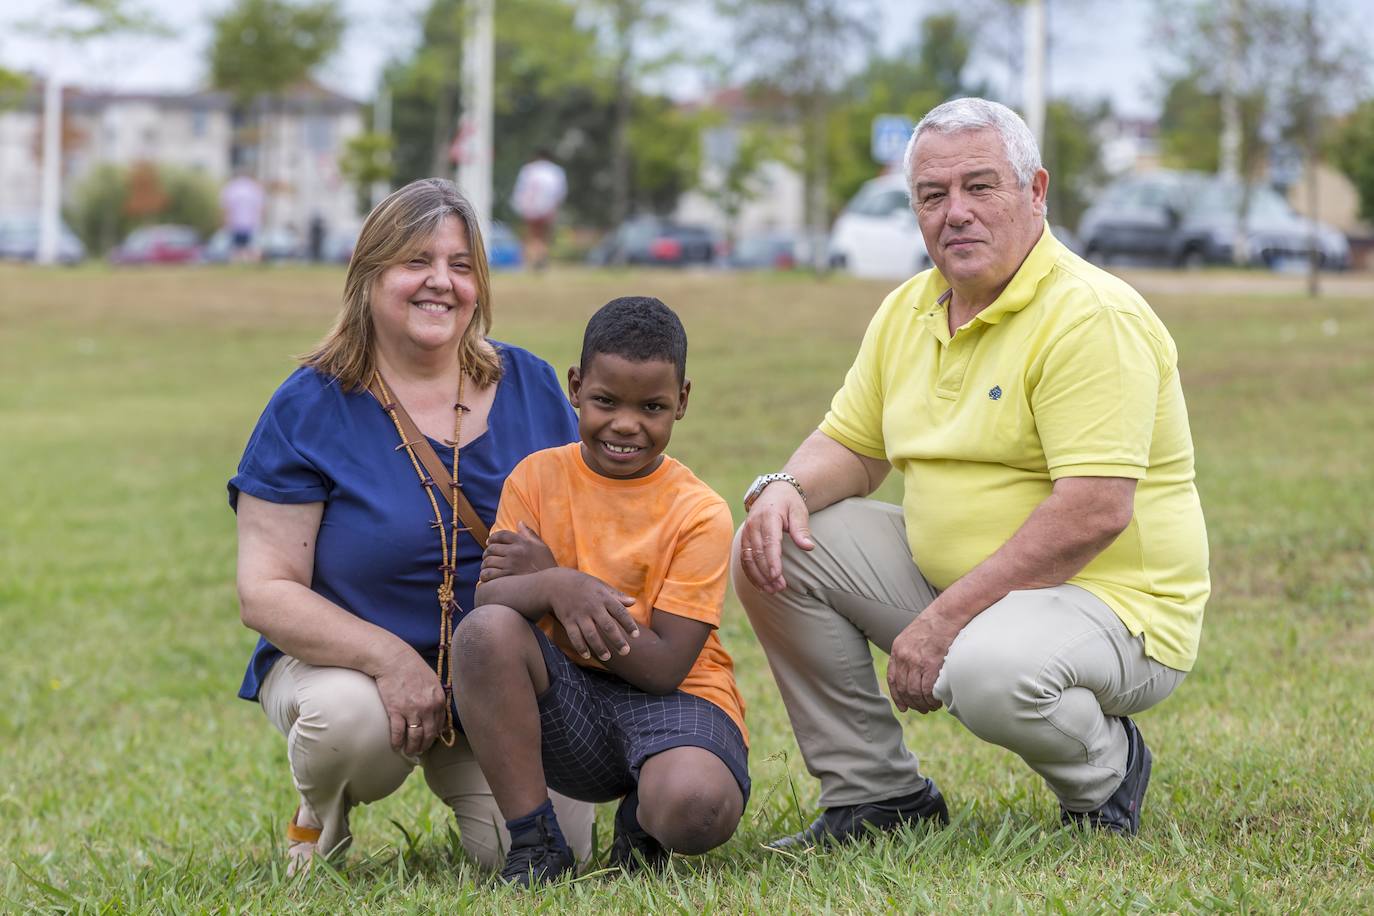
(377, 554)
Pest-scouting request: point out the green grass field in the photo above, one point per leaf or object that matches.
(132, 780)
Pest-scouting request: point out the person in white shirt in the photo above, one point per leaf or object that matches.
(539, 191)
(241, 200)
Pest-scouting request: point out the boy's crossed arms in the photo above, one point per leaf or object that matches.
(518, 571)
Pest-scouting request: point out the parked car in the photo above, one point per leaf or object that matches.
(19, 240)
(877, 234)
(767, 251)
(166, 244)
(503, 248)
(650, 240)
(339, 244)
(1191, 218)
(281, 244)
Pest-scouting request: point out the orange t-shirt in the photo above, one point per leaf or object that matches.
(663, 539)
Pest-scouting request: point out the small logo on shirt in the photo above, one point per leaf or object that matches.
(996, 393)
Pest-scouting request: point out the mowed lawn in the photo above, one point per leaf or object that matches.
(132, 780)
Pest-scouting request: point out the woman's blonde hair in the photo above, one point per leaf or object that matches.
(394, 230)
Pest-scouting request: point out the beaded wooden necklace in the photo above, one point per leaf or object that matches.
(448, 541)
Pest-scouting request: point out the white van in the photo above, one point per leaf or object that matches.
(877, 234)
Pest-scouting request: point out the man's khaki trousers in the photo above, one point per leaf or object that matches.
(338, 742)
(1044, 673)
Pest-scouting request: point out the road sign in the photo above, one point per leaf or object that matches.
(889, 137)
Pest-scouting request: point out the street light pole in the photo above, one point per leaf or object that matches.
(50, 186)
(474, 171)
(1034, 80)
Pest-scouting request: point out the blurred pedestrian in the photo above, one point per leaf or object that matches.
(242, 202)
(540, 189)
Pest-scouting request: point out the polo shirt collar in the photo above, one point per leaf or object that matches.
(1019, 292)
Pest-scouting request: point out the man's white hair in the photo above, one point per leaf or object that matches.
(979, 114)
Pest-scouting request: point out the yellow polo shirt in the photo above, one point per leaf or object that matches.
(1069, 373)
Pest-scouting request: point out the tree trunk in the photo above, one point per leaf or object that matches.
(439, 164)
(620, 142)
(818, 179)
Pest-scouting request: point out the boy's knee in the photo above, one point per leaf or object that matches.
(488, 636)
(691, 816)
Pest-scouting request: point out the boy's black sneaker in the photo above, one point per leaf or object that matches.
(632, 848)
(851, 823)
(537, 857)
(1121, 812)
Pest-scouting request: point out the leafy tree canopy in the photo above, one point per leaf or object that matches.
(261, 47)
(1350, 150)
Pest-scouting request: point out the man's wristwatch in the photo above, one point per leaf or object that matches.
(757, 487)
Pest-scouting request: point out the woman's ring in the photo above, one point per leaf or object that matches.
(414, 726)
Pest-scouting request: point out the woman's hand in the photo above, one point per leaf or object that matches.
(413, 698)
(593, 614)
(515, 553)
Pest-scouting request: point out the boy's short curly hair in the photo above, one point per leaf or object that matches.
(639, 328)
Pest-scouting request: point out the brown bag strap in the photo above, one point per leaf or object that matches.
(435, 468)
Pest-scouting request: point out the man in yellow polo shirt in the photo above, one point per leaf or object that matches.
(1045, 576)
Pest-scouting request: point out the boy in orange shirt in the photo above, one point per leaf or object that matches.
(592, 664)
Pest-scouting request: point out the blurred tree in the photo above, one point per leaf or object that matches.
(1190, 120)
(366, 159)
(1279, 72)
(804, 49)
(1351, 149)
(262, 47)
(733, 180)
(1073, 156)
(144, 196)
(555, 88)
(628, 26)
(663, 146)
(95, 211)
(12, 88)
(192, 200)
(258, 50)
(928, 70)
(112, 201)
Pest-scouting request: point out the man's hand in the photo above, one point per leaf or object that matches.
(515, 553)
(593, 614)
(918, 654)
(412, 696)
(779, 508)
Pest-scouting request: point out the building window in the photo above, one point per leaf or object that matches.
(319, 133)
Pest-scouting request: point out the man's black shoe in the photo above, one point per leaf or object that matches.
(1120, 812)
(632, 848)
(851, 823)
(537, 857)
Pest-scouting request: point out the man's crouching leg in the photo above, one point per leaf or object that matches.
(498, 677)
(1051, 674)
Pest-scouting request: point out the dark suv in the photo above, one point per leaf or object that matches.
(1191, 218)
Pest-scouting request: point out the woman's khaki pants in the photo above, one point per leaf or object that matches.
(1044, 673)
(339, 745)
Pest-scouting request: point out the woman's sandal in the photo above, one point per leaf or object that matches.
(301, 845)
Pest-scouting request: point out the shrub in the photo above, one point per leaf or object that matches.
(113, 200)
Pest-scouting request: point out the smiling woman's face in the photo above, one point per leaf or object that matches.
(978, 223)
(426, 302)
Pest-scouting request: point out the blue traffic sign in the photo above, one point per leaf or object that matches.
(890, 136)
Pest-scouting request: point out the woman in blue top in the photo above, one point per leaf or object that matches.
(348, 551)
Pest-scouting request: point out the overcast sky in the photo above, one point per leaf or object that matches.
(1100, 47)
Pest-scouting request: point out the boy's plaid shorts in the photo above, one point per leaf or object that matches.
(598, 729)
